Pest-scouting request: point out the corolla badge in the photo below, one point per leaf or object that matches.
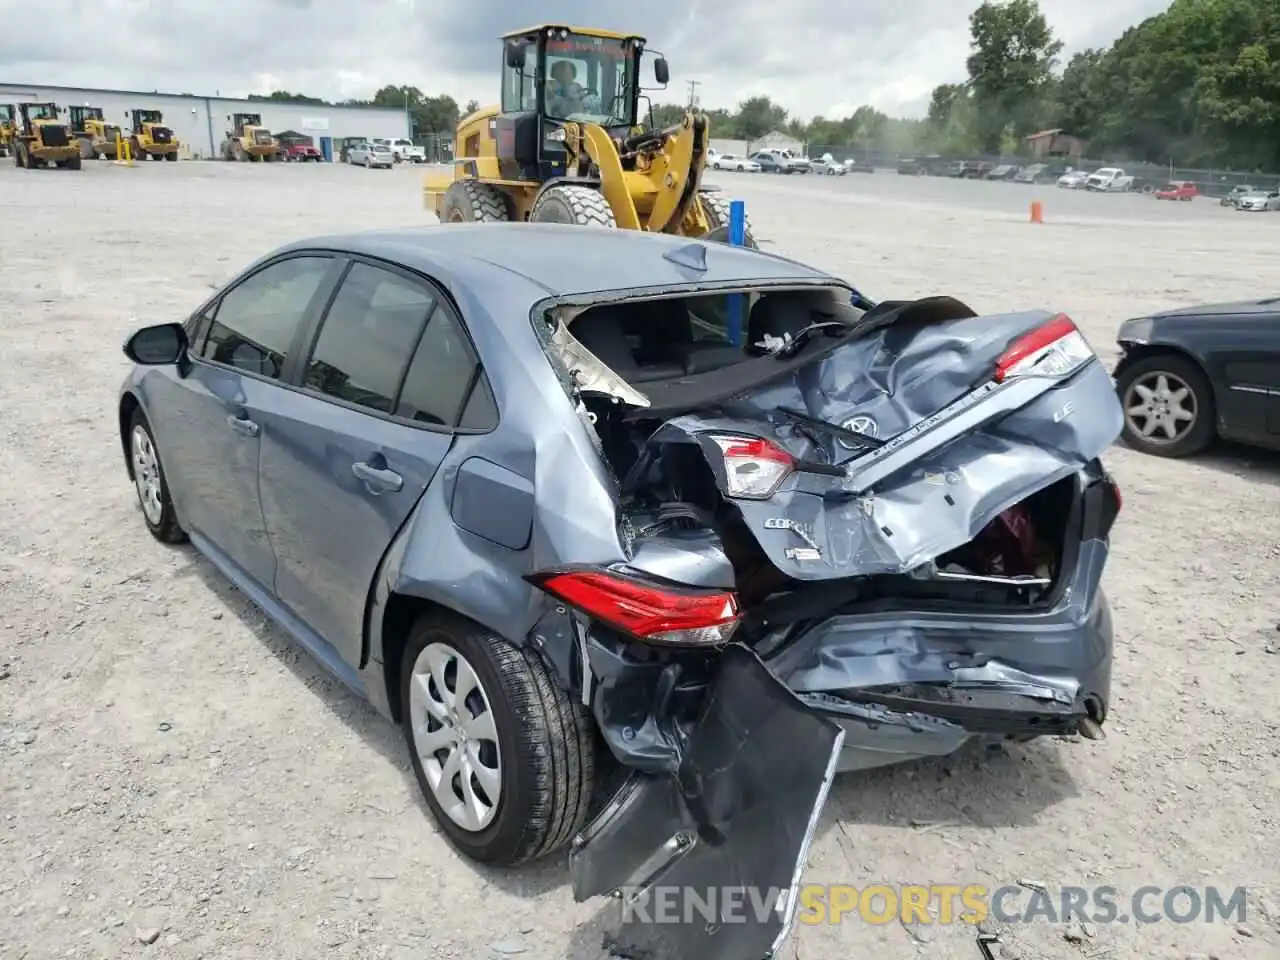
(860, 424)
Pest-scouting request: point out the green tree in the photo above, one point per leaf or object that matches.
(758, 116)
(1010, 69)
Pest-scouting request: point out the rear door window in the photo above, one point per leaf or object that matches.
(444, 385)
(255, 323)
(368, 337)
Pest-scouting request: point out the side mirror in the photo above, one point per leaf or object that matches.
(661, 71)
(515, 53)
(158, 345)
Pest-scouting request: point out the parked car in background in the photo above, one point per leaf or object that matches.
(954, 169)
(1259, 201)
(1236, 192)
(1033, 173)
(1178, 190)
(798, 161)
(1004, 171)
(344, 147)
(489, 478)
(1108, 180)
(854, 165)
(772, 162)
(731, 161)
(1189, 375)
(1073, 180)
(371, 153)
(406, 151)
(299, 151)
(828, 166)
(910, 167)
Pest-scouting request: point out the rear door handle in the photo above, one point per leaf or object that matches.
(378, 480)
(243, 425)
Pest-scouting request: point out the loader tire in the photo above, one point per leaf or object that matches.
(715, 208)
(171, 156)
(73, 163)
(468, 201)
(570, 203)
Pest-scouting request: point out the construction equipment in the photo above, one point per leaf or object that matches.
(564, 146)
(248, 139)
(97, 137)
(150, 136)
(7, 120)
(40, 137)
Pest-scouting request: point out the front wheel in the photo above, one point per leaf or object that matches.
(504, 756)
(569, 203)
(151, 483)
(1168, 406)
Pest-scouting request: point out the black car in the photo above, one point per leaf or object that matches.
(910, 167)
(1189, 376)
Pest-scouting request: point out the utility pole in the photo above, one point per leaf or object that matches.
(693, 92)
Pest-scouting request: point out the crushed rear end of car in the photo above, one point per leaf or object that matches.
(878, 540)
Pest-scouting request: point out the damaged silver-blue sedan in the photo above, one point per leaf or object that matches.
(642, 539)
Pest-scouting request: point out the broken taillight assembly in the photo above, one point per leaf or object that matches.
(1054, 350)
(651, 612)
(753, 468)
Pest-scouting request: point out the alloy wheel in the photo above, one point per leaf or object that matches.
(1160, 407)
(146, 474)
(455, 736)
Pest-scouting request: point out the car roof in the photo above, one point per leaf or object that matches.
(561, 259)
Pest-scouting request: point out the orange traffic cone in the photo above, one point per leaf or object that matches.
(1037, 211)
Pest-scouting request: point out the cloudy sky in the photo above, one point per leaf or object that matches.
(816, 57)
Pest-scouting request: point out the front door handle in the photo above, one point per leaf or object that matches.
(377, 479)
(243, 425)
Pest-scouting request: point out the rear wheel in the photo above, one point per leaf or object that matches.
(171, 156)
(469, 201)
(1168, 406)
(570, 203)
(716, 209)
(504, 756)
(73, 163)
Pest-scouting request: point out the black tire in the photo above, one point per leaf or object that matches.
(570, 203)
(545, 740)
(715, 208)
(470, 201)
(73, 163)
(1202, 430)
(171, 157)
(165, 527)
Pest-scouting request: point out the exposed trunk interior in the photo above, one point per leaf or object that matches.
(1022, 554)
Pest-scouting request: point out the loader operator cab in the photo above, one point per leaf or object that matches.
(33, 113)
(141, 118)
(552, 75)
(80, 117)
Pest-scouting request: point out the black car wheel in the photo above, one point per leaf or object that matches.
(504, 756)
(1168, 406)
(150, 482)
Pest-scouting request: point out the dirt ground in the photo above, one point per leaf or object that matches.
(172, 770)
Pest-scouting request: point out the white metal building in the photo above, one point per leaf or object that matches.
(200, 123)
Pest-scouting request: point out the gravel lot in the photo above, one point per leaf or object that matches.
(172, 770)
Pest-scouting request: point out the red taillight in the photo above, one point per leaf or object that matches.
(754, 468)
(1054, 350)
(653, 613)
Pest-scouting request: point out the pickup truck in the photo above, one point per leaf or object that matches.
(404, 150)
(1109, 180)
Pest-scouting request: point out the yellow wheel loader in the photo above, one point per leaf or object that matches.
(8, 114)
(97, 137)
(248, 139)
(564, 145)
(150, 136)
(40, 138)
